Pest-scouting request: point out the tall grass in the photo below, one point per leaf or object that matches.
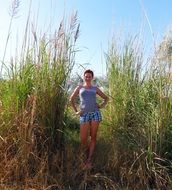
(39, 141)
(139, 116)
(33, 100)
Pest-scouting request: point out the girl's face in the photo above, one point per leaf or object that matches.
(88, 77)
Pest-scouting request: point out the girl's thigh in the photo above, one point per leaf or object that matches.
(84, 128)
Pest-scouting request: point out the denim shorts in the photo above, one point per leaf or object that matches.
(91, 116)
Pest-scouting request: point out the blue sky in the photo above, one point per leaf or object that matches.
(98, 19)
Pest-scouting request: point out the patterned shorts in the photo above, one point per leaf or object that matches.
(91, 116)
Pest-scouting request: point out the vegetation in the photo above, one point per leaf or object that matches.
(139, 117)
(39, 142)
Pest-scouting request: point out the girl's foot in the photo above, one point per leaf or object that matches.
(88, 164)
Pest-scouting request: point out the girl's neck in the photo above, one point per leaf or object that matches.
(87, 84)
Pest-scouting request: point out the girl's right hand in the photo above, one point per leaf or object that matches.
(79, 113)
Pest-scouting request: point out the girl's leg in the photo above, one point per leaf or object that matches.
(84, 128)
(93, 135)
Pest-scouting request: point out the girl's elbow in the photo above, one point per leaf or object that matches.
(71, 100)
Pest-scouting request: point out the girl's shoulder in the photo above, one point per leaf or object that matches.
(95, 87)
(79, 87)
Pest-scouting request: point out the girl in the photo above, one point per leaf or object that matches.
(89, 112)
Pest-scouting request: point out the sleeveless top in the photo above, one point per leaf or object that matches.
(88, 99)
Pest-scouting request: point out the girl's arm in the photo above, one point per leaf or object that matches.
(104, 97)
(73, 97)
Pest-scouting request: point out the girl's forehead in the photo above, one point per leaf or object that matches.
(88, 74)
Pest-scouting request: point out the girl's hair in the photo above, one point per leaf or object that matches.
(89, 71)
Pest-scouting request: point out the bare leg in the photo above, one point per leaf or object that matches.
(84, 136)
(93, 134)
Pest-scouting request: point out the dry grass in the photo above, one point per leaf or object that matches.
(36, 149)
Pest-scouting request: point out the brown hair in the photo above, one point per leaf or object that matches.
(89, 71)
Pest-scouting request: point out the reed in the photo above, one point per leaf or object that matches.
(139, 116)
(39, 136)
(34, 96)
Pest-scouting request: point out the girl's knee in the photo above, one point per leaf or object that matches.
(93, 139)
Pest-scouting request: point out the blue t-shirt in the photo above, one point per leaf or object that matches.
(88, 99)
